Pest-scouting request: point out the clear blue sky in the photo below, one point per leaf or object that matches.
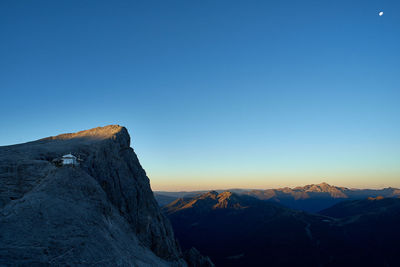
(215, 94)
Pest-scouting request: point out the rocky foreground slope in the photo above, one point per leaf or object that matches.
(100, 213)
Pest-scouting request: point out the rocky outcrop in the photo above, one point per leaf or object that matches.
(100, 213)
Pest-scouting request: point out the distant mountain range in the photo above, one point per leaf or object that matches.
(311, 198)
(315, 197)
(241, 230)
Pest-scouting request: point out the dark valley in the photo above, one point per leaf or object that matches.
(240, 230)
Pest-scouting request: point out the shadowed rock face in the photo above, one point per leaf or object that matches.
(102, 212)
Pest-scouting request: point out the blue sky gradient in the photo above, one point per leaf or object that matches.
(216, 94)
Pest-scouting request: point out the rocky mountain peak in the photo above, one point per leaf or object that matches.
(225, 195)
(211, 194)
(228, 200)
(115, 132)
(100, 211)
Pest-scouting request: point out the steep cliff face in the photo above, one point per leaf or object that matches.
(102, 212)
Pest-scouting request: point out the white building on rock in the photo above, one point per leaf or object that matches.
(69, 159)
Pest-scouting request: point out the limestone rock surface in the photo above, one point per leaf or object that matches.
(101, 212)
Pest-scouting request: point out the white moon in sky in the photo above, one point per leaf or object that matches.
(381, 13)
